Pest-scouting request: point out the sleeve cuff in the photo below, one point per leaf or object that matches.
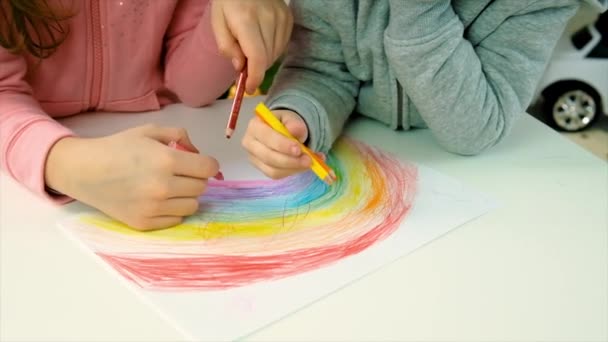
(26, 155)
(313, 114)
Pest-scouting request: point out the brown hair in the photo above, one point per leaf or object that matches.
(32, 26)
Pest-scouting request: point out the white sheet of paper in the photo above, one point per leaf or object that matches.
(441, 205)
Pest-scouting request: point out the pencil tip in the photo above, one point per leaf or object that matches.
(229, 133)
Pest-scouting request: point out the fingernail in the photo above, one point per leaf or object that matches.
(219, 176)
(235, 63)
(295, 150)
(323, 156)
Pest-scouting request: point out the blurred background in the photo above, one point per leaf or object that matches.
(593, 137)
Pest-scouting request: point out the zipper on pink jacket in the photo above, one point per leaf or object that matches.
(97, 55)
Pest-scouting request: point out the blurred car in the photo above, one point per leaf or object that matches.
(574, 88)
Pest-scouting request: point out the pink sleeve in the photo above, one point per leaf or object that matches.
(26, 132)
(194, 69)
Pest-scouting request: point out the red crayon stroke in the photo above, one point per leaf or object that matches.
(175, 271)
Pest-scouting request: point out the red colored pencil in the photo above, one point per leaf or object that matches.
(174, 144)
(236, 104)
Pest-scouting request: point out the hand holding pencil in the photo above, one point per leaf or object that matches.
(148, 177)
(252, 33)
(280, 155)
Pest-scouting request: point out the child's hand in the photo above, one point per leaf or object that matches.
(274, 154)
(258, 30)
(133, 175)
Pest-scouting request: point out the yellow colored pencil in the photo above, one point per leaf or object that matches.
(322, 170)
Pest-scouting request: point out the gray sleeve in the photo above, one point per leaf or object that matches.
(313, 80)
(469, 96)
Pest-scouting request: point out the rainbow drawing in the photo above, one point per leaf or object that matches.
(252, 231)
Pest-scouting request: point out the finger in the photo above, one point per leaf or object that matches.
(267, 26)
(273, 139)
(250, 39)
(180, 186)
(226, 43)
(283, 32)
(155, 223)
(195, 165)
(275, 159)
(185, 206)
(295, 126)
(167, 135)
(271, 172)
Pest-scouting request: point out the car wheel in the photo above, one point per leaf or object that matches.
(572, 109)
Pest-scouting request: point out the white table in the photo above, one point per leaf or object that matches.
(535, 269)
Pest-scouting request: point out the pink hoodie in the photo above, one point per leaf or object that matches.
(120, 55)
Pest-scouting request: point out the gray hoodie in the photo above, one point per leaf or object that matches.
(463, 68)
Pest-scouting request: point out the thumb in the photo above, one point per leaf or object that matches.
(296, 126)
(167, 135)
